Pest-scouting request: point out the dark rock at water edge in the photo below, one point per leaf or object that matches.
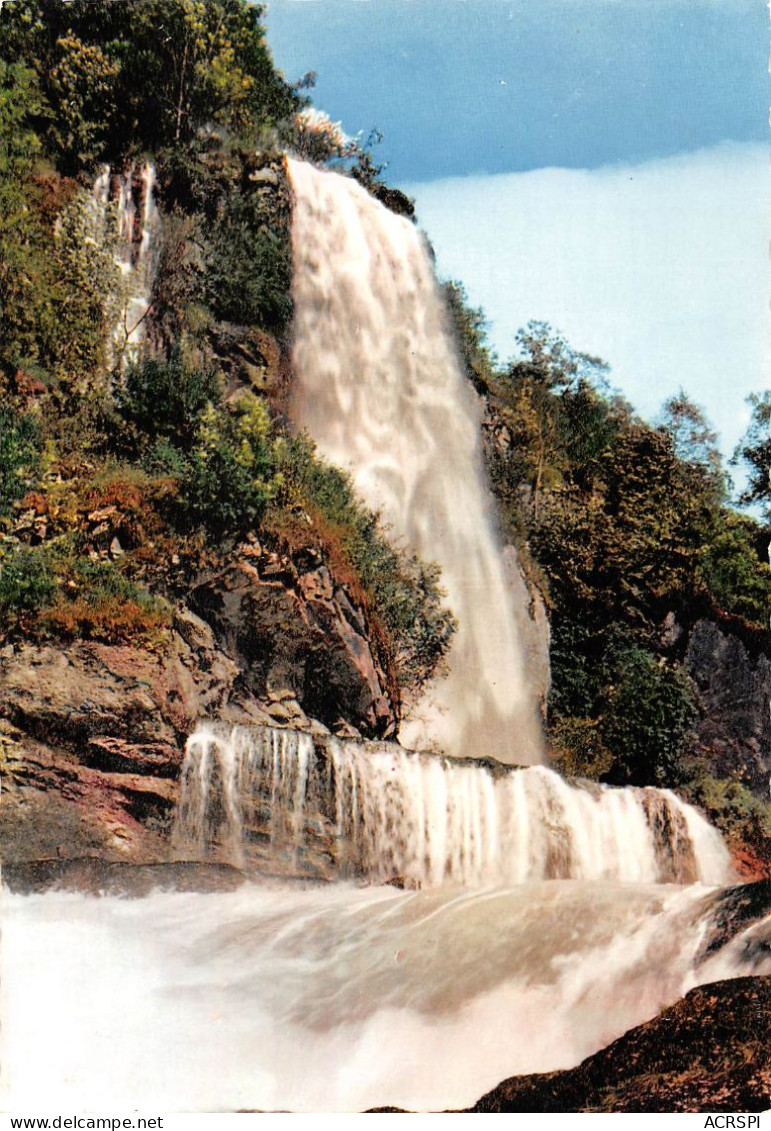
(92, 735)
(709, 1052)
(93, 876)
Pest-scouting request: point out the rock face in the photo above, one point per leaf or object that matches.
(296, 636)
(709, 1052)
(733, 676)
(92, 735)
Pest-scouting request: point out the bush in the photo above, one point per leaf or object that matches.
(26, 583)
(743, 818)
(19, 456)
(165, 399)
(249, 270)
(650, 705)
(230, 474)
(100, 603)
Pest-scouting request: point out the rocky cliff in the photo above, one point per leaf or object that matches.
(732, 671)
(92, 734)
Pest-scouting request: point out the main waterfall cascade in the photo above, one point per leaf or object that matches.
(541, 918)
(379, 388)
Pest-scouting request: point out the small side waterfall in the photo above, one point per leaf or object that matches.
(137, 221)
(379, 812)
(379, 387)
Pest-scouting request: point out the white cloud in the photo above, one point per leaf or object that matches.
(660, 268)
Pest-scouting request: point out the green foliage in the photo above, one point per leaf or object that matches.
(693, 441)
(88, 286)
(743, 818)
(735, 569)
(165, 399)
(248, 268)
(230, 474)
(650, 706)
(578, 750)
(124, 78)
(25, 246)
(49, 591)
(19, 455)
(550, 401)
(26, 583)
(755, 452)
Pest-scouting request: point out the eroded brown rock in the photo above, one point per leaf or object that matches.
(92, 734)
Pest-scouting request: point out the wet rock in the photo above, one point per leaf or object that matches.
(93, 876)
(709, 1052)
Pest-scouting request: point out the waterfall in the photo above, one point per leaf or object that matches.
(137, 222)
(335, 998)
(379, 387)
(281, 801)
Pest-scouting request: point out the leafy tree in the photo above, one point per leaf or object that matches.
(650, 706)
(26, 583)
(249, 268)
(410, 624)
(755, 452)
(88, 286)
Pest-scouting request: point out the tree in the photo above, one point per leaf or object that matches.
(694, 441)
(754, 451)
(123, 78)
(545, 397)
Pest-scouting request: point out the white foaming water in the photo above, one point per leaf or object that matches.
(379, 387)
(381, 812)
(335, 998)
(137, 221)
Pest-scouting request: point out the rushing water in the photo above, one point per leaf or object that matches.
(379, 812)
(336, 998)
(545, 917)
(131, 193)
(379, 387)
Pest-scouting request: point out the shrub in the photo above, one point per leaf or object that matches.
(578, 750)
(26, 583)
(165, 399)
(649, 707)
(19, 456)
(230, 474)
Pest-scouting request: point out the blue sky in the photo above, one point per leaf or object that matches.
(599, 164)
